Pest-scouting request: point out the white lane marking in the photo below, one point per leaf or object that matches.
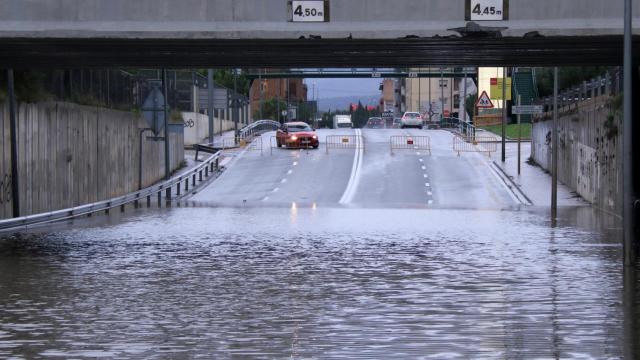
(430, 202)
(425, 176)
(283, 181)
(265, 198)
(427, 184)
(295, 163)
(424, 167)
(289, 172)
(418, 153)
(276, 190)
(421, 160)
(429, 193)
(354, 179)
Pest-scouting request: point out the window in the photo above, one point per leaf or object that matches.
(444, 83)
(292, 90)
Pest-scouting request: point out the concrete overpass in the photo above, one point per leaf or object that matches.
(261, 33)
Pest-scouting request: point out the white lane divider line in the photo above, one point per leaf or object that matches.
(295, 163)
(427, 184)
(425, 176)
(283, 181)
(418, 153)
(429, 193)
(289, 172)
(421, 160)
(265, 198)
(275, 190)
(424, 167)
(430, 202)
(354, 179)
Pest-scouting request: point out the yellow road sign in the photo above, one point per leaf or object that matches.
(496, 88)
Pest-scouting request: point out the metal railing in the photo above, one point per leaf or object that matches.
(607, 84)
(180, 182)
(416, 143)
(258, 127)
(344, 142)
(486, 144)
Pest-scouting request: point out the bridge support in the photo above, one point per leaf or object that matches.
(630, 185)
(13, 129)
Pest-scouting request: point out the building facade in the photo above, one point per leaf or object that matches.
(292, 91)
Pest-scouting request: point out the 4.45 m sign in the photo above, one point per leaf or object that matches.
(487, 10)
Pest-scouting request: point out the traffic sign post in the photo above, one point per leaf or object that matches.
(484, 102)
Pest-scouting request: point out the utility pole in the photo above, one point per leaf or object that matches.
(278, 100)
(13, 129)
(235, 104)
(504, 113)
(210, 105)
(441, 93)
(554, 148)
(519, 135)
(167, 167)
(261, 94)
(627, 138)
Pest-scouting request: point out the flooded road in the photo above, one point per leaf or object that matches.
(294, 282)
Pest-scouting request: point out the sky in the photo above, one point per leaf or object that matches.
(331, 88)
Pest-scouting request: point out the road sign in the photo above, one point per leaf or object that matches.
(527, 109)
(496, 88)
(309, 11)
(487, 10)
(484, 102)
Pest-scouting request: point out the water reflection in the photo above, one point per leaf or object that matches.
(330, 283)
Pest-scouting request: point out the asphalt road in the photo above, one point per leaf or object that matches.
(368, 177)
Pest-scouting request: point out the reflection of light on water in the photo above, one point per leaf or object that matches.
(294, 212)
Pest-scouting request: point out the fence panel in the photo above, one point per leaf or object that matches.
(486, 144)
(344, 142)
(403, 142)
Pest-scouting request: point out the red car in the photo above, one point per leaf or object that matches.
(297, 135)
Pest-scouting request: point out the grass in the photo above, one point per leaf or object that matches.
(511, 131)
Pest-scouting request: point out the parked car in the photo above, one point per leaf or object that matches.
(411, 119)
(396, 123)
(375, 123)
(297, 135)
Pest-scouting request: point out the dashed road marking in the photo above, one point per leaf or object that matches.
(429, 193)
(275, 190)
(289, 172)
(421, 160)
(425, 176)
(424, 167)
(427, 184)
(283, 181)
(430, 202)
(295, 163)
(265, 198)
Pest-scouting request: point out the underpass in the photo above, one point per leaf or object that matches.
(368, 176)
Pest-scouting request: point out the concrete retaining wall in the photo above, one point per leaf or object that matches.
(196, 127)
(590, 151)
(70, 155)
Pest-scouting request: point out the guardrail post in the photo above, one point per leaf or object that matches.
(178, 187)
(186, 185)
(206, 171)
(200, 175)
(159, 198)
(122, 208)
(168, 194)
(106, 211)
(148, 200)
(193, 182)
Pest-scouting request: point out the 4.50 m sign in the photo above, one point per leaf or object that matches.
(487, 10)
(309, 11)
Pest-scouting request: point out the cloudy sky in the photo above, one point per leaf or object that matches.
(331, 88)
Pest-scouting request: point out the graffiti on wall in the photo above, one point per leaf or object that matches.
(5, 189)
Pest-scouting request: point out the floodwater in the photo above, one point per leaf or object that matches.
(307, 282)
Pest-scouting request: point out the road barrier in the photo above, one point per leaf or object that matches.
(486, 144)
(344, 142)
(404, 142)
(254, 144)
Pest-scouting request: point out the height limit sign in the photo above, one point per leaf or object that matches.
(487, 10)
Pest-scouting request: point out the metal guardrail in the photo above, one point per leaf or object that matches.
(403, 142)
(344, 142)
(481, 144)
(185, 180)
(258, 127)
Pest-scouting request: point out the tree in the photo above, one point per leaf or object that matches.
(470, 104)
(567, 77)
(270, 109)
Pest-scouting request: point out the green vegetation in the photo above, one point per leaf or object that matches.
(567, 77)
(511, 130)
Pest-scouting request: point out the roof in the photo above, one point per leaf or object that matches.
(296, 123)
